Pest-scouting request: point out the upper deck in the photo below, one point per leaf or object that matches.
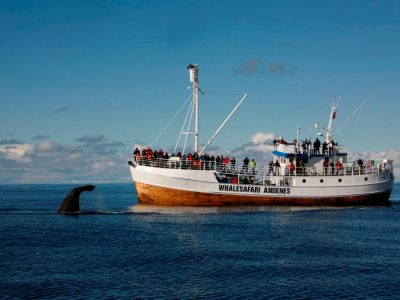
(292, 150)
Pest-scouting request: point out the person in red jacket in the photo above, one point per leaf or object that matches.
(291, 167)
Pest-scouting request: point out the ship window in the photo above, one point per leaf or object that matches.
(366, 178)
(304, 181)
(321, 180)
(340, 179)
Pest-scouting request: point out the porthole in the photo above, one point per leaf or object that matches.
(340, 179)
(321, 180)
(304, 181)
(366, 178)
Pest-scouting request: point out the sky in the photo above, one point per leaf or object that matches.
(83, 82)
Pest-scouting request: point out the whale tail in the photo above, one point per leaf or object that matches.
(70, 203)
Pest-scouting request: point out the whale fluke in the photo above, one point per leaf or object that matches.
(70, 203)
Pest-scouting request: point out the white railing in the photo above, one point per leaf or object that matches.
(261, 172)
(293, 148)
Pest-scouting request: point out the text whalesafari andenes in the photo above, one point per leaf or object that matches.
(254, 189)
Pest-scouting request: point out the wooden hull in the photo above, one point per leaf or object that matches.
(151, 194)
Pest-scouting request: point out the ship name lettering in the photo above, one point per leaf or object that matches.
(239, 188)
(276, 190)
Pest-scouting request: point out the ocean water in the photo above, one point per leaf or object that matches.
(123, 250)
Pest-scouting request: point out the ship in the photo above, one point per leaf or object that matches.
(300, 173)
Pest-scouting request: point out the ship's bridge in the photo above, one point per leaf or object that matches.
(293, 150)
(307, 155)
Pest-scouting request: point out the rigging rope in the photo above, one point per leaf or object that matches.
(188, 127)
(183, 127)
(170, 121)
(354, 113)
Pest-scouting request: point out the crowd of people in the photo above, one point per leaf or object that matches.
(160, 158)
(225, 164)
(307, 147)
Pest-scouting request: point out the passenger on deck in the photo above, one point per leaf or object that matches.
(300, 167)
(233, 164)
(326, 165)
(277, 166)
(308, 144)
(275, 142)
(324, 148)
(253, 165)
(360, 164)
(291, 167)
(155, 155)
(149, 154)
(235, 180)
(334, 147)
(136, 154)
(317, 145)
(226, 162)
(332, 165)
(304, 146)
(212, 159)
(271, 167)
(246, 164)
(339, 166)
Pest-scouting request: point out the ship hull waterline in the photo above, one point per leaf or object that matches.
(156, 195)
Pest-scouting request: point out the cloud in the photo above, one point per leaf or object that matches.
(261, 137)
(40, 136)
(99, 144)
(48, 147)
(251, 66)
(277, 67)
(50, 161)
(10, 142)
(91, 139)
(260, 147)
(14, 150)
(258, 66)
(61, 110)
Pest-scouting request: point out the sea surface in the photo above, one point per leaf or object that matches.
(121, 250)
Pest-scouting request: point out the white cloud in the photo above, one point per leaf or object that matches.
(47, 147)
(261, 137)
(17, 152)
(54, 162)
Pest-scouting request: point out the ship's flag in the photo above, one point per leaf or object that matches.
(334, 115)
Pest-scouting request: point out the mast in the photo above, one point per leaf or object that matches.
(329, 133)
(194, 79)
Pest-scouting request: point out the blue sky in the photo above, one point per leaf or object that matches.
(78, 76)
